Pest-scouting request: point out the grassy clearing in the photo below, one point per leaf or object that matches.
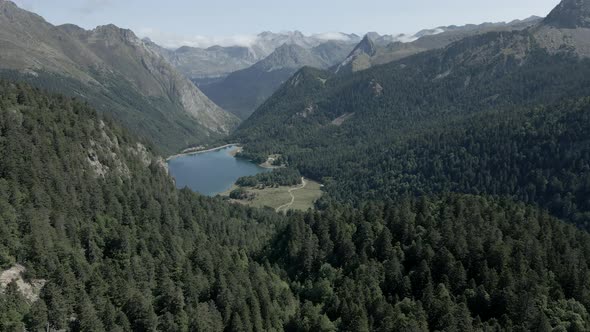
(276, 197)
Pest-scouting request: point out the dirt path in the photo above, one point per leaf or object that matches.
(288, 205)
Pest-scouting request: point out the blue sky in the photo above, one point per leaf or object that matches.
(174, 22)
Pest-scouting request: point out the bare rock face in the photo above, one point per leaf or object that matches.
(570, 14)
(555, 40)
(566, 28)
(29, 289)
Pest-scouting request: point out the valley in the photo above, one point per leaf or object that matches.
(432, 181)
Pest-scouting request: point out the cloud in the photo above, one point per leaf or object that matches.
(173, 41)
(332, 36)
(170, 40)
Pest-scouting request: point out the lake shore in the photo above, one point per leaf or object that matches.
(189, 153)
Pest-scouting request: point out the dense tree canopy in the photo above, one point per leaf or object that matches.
(278, 177)
(443, 210)
(120, 247)
(449, 263)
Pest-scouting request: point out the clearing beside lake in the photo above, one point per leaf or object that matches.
(300, 197)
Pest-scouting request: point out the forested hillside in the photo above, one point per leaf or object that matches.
(463, 119)
(450, 263)
(93, 212)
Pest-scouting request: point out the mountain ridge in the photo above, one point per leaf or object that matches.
(205, 64)
(398, 47)
(99, 65)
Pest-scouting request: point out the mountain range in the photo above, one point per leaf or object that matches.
(241, 78)
(205, 64)
(241, 92)
(375, 49)
(116, 72)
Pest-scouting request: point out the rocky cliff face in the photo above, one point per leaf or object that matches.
(566, 29)
(570, 14)
(360, 57)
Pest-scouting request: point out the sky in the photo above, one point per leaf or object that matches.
(173, 23)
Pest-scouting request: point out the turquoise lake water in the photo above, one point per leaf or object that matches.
(211, 173)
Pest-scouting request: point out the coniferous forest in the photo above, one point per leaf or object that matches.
(456, 191)
(88, 209)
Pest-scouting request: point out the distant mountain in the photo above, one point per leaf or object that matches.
(203, 65)
(206, 65)
(360, 57)
(267, 42)
(389, 48)
(244, 90)
(115, 71)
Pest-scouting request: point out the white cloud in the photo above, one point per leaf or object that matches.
(331, 36)
(170, 40)
(173, 41)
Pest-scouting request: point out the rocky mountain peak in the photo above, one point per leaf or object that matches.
(113, 30)
(7, 6)
(111, 33)
(570, 14)
(366, 46)
(286, 56)
(12, 13)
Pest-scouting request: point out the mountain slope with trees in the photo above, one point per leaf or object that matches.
(116, 72)
(385, 52)
(465, 118)
(449, 263)
(91, 211)
(86, 207)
